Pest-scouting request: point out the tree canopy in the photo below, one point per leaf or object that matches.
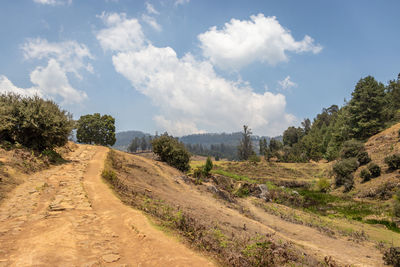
(96, 129)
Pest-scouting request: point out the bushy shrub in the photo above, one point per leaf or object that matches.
(392, 256)
(323, 185)
(254, 159)
(343, 170)
(393, 161)
(374, 169)
(52, 156)
(365, 175)
(33, 122)
(208, 167)
(355, 149)
(171, 151)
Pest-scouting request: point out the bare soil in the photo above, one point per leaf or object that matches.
(241, 217)
(67, 216)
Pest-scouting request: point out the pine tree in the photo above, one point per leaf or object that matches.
(366, 108)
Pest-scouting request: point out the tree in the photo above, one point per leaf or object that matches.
(392, 101)
(134, 145)
(366, 108)
(208, 167)
(33, 122)
(171, 151)
(306, 125)
(143, 143)
(96, 129)
(263, 146)
(245, 149)
(292, 135)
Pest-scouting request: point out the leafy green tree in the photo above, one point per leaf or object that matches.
(306, 125)
(292, 135)
(171, 151)
(366, 108)
(245, 149)
(96, 129)
(33, 122)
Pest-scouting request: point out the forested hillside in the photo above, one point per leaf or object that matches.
(372, 108)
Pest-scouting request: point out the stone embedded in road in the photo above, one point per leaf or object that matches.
(110, 257)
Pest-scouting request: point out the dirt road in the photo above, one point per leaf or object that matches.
(66, 216)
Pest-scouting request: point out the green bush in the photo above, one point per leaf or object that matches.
(355, 149)
(365, 175)
(374, 169)
(52, 156)
(171, 151)
(343, 170)
(393, 161)
(254, 159)
(33, 122)
(323, 185)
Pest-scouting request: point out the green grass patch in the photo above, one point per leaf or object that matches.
(233, 176)
(389, 225)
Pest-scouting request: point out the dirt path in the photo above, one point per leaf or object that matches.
(343, 251)
(66, 216)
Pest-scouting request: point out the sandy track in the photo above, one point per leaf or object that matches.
(66, 216)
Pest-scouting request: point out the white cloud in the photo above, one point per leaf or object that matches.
(121, 34)
(53, 2)
(6, 86)
(181, 2)
(50, 81)
(151, 21)
(241, 42)
(150, 9)
(193, 98)
(287, 83)
(70, 54)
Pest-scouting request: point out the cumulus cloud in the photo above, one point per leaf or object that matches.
(151, 21)
(70, 54)
(241, 42)
(53, 2)
(181, 2)
(193, 98)
(121, 34)
(287, 83)
(51, 80)
(150, 9)
(6, 86)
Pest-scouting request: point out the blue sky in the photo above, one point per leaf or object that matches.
(192, 66)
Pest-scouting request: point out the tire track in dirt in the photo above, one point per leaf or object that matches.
(66, 216)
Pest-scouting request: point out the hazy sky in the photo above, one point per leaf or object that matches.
(189, 66)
